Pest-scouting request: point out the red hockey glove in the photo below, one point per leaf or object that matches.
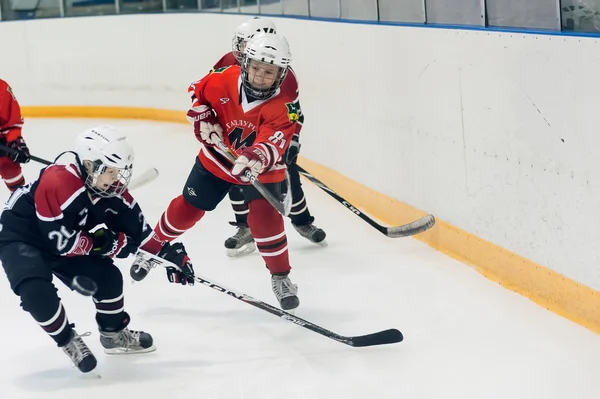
(206, 127)
(252, 159)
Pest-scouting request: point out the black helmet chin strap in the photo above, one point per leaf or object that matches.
(80, 165)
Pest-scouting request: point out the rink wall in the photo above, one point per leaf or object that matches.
(492, 132)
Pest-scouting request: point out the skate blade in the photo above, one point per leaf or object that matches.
(241, 251)
(123, 351)
(94, 375)
(322, 243)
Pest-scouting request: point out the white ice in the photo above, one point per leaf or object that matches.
(465, 336)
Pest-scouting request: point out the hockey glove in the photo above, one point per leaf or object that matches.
(253, 159)
(293, 150)
(176, 254)
(206, 127)
(22, 151)
(112, 244)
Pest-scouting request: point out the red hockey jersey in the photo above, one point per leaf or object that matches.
(269, 124)
(289, 86)
(11, 121)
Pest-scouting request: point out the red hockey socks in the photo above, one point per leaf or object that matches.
(179, 217)
(266, 226)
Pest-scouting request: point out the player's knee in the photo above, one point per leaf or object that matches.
(262, 209)
(36, 293)
(109, 282)
(236, 194)
(196, 202)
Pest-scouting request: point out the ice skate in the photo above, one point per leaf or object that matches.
(79, 353)
(141, 266)
(242, 242)
(126, 341)
(311, 232)
(285, 291)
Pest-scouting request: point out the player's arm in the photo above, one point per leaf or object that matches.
(129, 220)
(206, 127)
(11, 124)
(225, 61)
(295, 112)
(272, 140)
(61, 218)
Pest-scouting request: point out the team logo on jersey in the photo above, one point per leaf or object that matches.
(224, 100)
(238, 139)
(220, 70)
(294, 111)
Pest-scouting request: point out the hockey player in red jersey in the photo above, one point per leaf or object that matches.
(243, 242)
(11, 123)
(49, 228)
(246, 109)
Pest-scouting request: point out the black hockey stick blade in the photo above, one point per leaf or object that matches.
(391, 336)
(409, 229)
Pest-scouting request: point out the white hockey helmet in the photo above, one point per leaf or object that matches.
(100, 148)
(246, 30)
(270, 49)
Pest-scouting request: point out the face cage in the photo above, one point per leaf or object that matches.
(236, 47)
(261, 94)
(115, 189)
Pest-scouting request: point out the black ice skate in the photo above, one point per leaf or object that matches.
(126, 341)
(242, 242)
(311, 232)
(285, 291)
(79, 353)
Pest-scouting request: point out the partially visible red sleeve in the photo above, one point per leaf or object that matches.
(225, 61)
(11, 120)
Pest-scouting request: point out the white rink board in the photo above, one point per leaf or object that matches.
(492, 132)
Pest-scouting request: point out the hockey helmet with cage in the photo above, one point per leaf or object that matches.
(99, 149)
(246, 30)
(269, 49)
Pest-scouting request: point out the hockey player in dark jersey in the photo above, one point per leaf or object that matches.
(50, 228)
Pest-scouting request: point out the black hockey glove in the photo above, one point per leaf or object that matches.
(293, 150)
(22, 151)
(112, 244)
(176, 254)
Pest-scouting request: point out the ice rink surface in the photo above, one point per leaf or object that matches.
(465, 336)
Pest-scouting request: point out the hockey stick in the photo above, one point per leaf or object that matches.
(409, 229)
(143, 179)
(282, 207)
(390, 336)
(12, 151)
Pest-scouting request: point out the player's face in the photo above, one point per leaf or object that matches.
(107, 179)
(261, 75)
